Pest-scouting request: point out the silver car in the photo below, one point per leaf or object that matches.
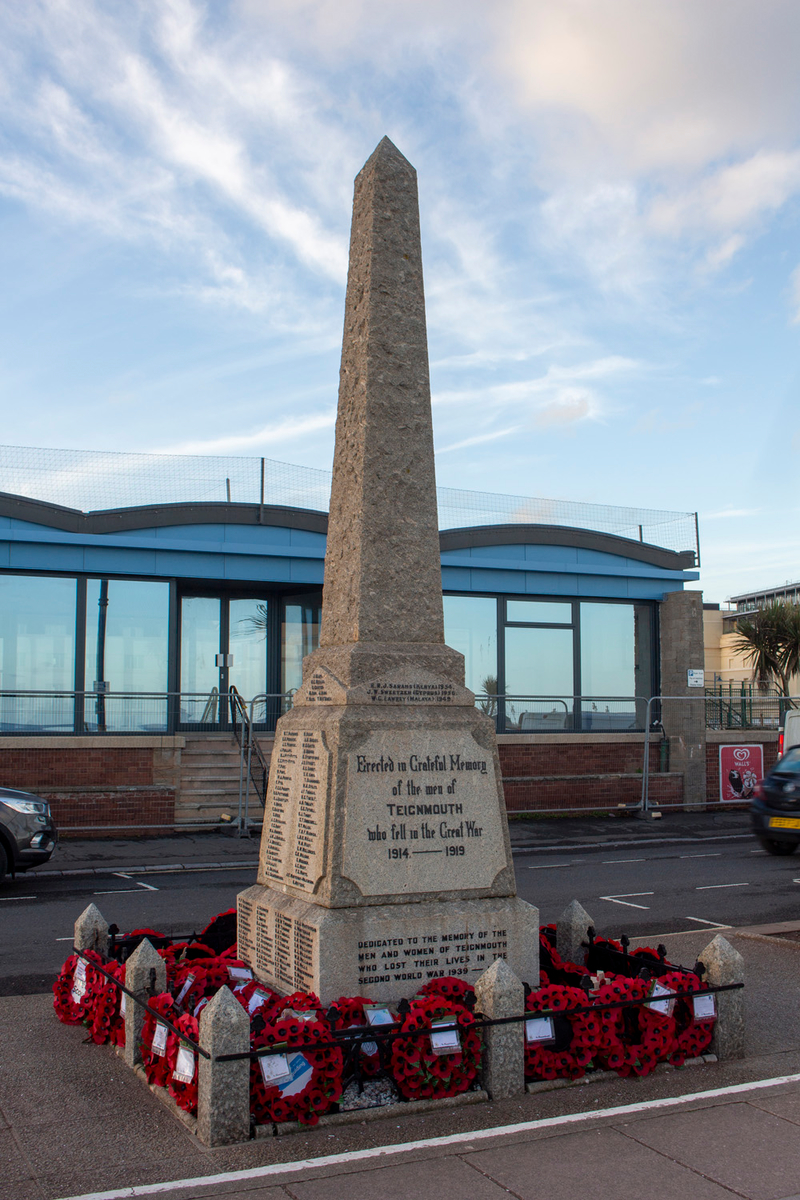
(28, 834)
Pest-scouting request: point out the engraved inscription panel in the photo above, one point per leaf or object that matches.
(422, 814)
(386, 691)
(417, 952)
(292, 843)
(283, 951)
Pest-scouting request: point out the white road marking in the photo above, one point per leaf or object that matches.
(719, 855)
(464, 1139)
(548, 866)
(121, 874)
(606, 861)
(18, 897)
(708, 887)
(69, 939)
(115, 892)
(619, 899)
(713, 924)
(149, 887)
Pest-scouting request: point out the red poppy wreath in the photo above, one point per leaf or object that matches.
(545, 1061)
(419, 1072)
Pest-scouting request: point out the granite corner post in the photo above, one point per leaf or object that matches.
(223, 1088)
(572, 932)
(144, 968)
(723, 965)
(498, 993)
(91, 930)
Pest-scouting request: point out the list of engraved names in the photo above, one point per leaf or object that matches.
(292, 850)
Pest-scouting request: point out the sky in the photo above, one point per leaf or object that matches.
(610, 210)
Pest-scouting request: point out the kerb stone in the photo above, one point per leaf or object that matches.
(498, 993)
(91, 930)
(223, 1093)
(723, 964)
(137, 980)
(572, 932)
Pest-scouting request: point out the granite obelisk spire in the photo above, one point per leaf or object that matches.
(382, 571)
(384, 824)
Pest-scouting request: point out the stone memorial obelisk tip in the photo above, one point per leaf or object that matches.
(382, 567)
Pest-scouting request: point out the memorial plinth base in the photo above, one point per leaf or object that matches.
(385, 952)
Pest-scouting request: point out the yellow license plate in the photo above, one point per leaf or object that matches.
(784, 823)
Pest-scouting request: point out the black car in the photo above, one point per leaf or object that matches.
(28, 834)
(775, 812)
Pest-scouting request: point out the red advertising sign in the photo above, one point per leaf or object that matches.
(740, 769)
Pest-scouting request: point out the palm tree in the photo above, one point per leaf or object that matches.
(770, 642)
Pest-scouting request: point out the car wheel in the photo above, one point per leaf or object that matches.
(773, 846)
(3, 862)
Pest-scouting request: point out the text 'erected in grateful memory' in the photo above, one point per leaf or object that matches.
(422, 815)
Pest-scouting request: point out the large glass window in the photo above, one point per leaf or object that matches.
(539, 678)
(607, 666)
(470, 626)
(127, 653)
(299, 637)
(37, 652)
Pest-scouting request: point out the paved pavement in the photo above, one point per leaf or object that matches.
(74, 1122)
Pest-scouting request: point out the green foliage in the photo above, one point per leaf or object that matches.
(769, 640)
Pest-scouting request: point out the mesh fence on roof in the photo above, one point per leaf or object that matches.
(89, 480)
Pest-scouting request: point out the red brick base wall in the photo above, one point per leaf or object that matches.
(81, 767)
(584, 776)
(130, 810)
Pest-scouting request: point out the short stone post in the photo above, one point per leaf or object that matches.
(723, 964)
(137, 980)
(223, 1095)
(91, 931)
(498, 993)
(572, 932)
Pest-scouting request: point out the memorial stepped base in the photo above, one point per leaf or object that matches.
(209, 778)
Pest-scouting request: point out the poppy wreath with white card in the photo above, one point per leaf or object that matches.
(573, 1047)
(420, 1068)
(108, 1016)
(159, 1044)
(349, 1012)
(298, 1083)
(693, 1035)
(76, 990)
(633, 1040)
(452, 988)
(182, 1064)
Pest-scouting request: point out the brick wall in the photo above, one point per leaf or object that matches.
(81, 767)
(130, 809)
(565, 774)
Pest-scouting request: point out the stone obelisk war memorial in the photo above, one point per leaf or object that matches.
(385, 858)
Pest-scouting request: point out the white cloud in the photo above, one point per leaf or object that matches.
(286, 430)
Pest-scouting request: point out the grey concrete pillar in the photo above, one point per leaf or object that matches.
(498, 993)
(91, 931)
(572, 933)
(723, 964)
(681, 633)
(137, 980)
(223, 1097)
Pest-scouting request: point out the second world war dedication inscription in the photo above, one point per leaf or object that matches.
(422, 814)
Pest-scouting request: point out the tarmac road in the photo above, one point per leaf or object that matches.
(650, 890)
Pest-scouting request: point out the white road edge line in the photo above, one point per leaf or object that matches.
(116, 892)
(713, 924)
(548, 866)
(717, 855)
(606, 861)
(709, 887)
(18, 897)
(627, 903)
(433, 1143)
